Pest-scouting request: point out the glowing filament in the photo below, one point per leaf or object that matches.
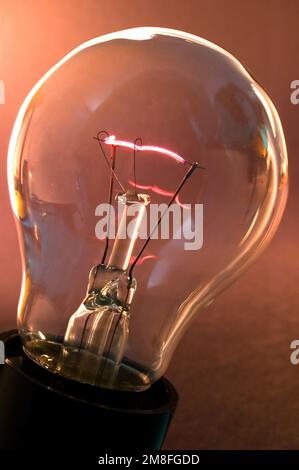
(111, 140)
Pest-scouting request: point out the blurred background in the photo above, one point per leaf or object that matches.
(238, 389)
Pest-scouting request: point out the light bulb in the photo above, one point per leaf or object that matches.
(169, 127)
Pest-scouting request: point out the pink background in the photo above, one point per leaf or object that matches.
(237, 387)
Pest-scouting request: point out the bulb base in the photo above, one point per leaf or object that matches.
(39, 410)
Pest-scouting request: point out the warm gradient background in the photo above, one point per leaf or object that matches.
(237, 387)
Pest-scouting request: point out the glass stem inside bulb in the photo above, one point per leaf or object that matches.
(97, 333)
(127, 231)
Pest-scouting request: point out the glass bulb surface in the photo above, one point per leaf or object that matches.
(184, 98)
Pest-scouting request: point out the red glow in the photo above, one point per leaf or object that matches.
(142, 259)
(111, 140)
(157, 190)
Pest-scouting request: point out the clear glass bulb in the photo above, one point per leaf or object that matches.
(111, 312)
